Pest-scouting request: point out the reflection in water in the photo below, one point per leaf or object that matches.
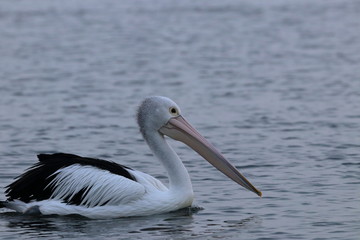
(175, 224)
(29, 222)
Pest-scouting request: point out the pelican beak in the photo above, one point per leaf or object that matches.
(181, 130)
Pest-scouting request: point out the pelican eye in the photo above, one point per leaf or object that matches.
(173, 111)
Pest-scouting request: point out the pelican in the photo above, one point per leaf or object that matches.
(64, 184)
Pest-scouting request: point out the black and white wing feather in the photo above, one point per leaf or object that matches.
(76, 180)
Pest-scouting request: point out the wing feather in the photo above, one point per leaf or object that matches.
(98, 187)
(76, 180)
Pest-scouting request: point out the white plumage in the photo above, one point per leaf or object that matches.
(100, 186)
(121, 196)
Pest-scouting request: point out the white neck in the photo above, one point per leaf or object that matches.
(178, 176)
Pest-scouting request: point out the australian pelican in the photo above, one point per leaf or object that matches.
(66, 184)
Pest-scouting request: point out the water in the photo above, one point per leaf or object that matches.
(273, 84)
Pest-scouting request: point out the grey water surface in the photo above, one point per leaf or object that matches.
(275, 85)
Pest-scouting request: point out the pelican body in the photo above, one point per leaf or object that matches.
(65, 184)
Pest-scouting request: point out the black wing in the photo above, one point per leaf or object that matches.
(34, 183)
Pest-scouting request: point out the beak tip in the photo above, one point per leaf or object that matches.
(257, 192)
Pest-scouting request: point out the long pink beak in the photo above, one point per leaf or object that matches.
(180, 129)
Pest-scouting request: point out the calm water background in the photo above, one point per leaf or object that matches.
(274, 84)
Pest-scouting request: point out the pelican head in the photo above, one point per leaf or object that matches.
(162, 115)
(155, 112)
